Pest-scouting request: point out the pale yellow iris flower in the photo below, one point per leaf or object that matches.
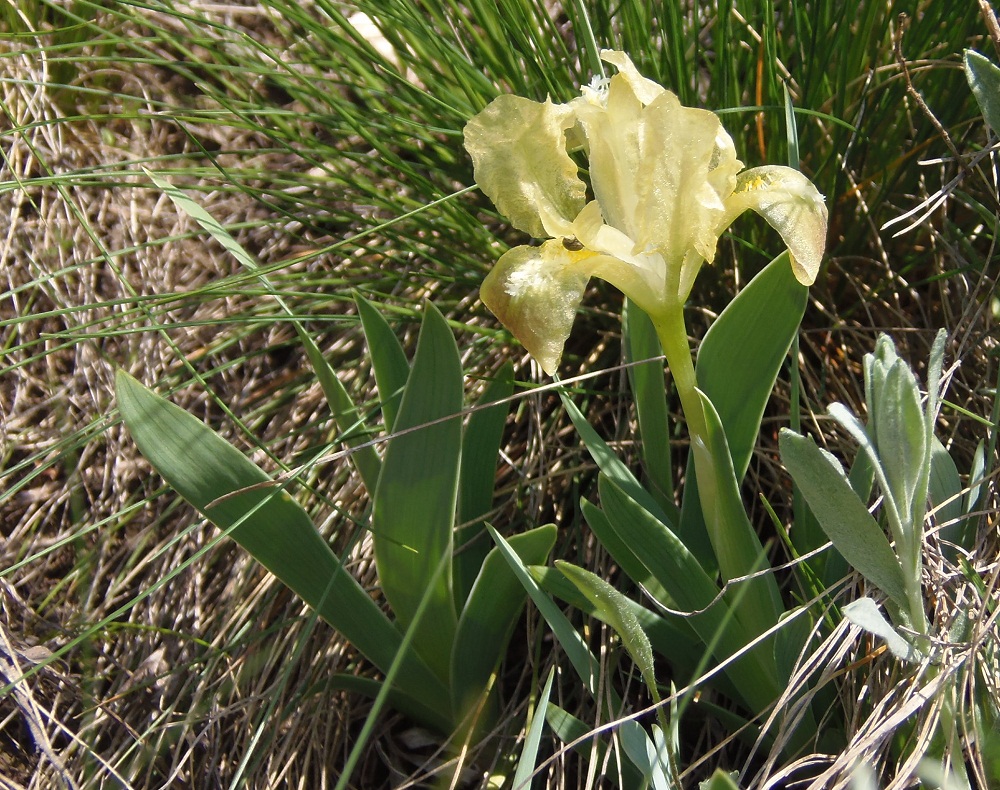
(666, 184)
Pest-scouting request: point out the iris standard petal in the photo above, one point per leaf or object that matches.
(644, 89)
(792, 206)
(614, 154)
(678, 207)
(518, 150)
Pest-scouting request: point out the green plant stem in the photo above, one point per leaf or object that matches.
(672, 332)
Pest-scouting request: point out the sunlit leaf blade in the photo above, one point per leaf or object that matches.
(865, 613)
(738, 363)
(239, 498)
(692, 590)
(489, 617)
(736, 545)
(388, 360)
(615, 611)
(611, 465)
(984, 79)
(642, 752)
(843, 516)
(533, 737)
(480, 452)
(349, 421)
(413, 513)
(586, 665)
(622, 551)
(669, 636)
(743, 350)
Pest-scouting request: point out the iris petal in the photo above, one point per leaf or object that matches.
(793, 206)
(518, 150)
(535, 292)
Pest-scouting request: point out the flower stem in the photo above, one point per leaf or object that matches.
(672, 333)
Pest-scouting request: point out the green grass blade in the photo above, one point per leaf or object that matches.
(651, 762)
(388, 360)
(533, 738)
(692, 590)
(623, 551)
(843, 516)
(671, 637)
(239, 498)
(365, 459)
(489, 617)
(413, 513)
(569, 729)
(480, 450)
(586, 665)
(345, 413)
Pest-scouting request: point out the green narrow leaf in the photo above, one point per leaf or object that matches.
(388, 360)
(738, 363)
(621, 551)
(692, 590)
(967, 535)
(984, 79)
(365, 459)
(642, 752)
(649, 388)
(489, 617)
(570, 729)
(586, 665)
(670, 636)
(209, 223)
(533, 737)
(615, 610)
(945, 493)
(734, 540)
(843, 516)
(611, 465)
(345, 413)
(413, 512)
(242, 501)
(477, 483)
(664, 556)
(935, 366)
